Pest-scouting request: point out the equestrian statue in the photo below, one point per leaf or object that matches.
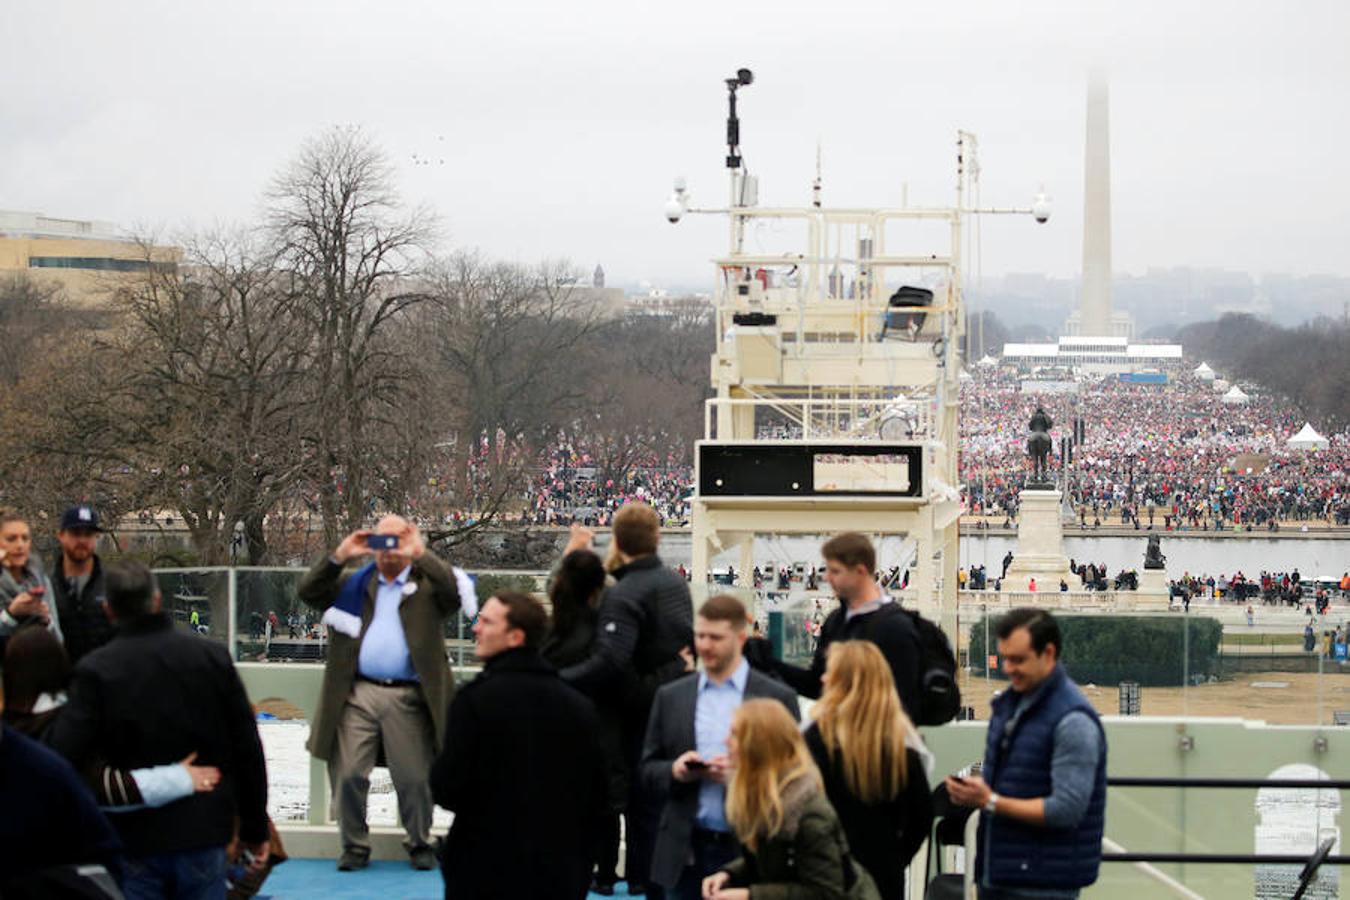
(1039, 445)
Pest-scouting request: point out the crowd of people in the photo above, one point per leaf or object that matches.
(1165, 456)
(571, 485)
(1171, 456)
(138, 772)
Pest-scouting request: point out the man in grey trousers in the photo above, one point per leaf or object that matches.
(387, 682)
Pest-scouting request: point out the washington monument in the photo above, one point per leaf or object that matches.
(1096, 304)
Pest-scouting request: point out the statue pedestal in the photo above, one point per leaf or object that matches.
(1153, 591)
(1040, 546)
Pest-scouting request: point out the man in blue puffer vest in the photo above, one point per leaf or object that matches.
(1043, 790)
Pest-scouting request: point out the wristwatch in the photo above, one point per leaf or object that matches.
(991, 805)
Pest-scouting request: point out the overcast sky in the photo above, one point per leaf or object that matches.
(561, 124)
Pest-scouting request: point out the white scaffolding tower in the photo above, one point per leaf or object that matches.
(837, 374)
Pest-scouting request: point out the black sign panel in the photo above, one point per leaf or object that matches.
(810, 470)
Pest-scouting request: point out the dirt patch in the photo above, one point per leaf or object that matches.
(282, 709)
(1296, 704)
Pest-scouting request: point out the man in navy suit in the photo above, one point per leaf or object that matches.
(684, 756)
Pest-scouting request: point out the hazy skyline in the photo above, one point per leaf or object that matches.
(561, 127)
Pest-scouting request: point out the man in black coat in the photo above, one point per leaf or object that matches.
(864, 613)
(522, 769)
(646, 620)
(154, 695)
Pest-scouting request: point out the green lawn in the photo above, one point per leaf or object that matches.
(1260, 639)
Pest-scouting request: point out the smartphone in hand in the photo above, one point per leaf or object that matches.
(382, 541)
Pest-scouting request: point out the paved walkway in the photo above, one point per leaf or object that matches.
(317, 879)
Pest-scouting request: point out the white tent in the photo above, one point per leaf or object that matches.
(1308, 439)
(1234, 395)
(988, 361)
(966, 376)
(1204, 372)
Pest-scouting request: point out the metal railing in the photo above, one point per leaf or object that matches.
(236, 605)
(1311, 863)
(828, 418)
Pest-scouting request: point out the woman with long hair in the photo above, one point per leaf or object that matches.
(789, 834)
(574, 596)
(25, 590)
(873, 779)
(36, 675)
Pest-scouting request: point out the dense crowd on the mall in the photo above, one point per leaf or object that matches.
(1172, 457)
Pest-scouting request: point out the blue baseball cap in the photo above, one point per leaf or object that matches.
(78, 517)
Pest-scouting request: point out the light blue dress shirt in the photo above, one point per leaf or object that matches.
(712, 723)
(384, 646)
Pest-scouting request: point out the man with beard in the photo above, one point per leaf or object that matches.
(77, 584)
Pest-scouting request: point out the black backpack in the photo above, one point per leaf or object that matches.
(939, 694)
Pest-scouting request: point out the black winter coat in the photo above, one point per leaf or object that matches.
(152, 696)
(562, 649)
(890, 629)
(883, 837)
(523, 772)
(646, 618)
(85, 625)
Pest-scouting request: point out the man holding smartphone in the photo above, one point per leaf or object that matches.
(386, 683)
(1043, 785)
(684, 756)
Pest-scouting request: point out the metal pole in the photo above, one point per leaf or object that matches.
(1186, 660)
(988, 678)
(232, 611)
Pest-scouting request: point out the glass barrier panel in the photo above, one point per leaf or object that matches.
(272, 625)
(197, 600)
(1270, 820)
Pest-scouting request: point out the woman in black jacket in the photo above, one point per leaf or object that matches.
(574, 595)
(874, 781)
(575, 598)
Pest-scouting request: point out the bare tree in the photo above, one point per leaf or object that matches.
(213, 393)
(518, 341)
(351, 246)
(61, 440)
(674, 347)
(56, 442)
(30, 315)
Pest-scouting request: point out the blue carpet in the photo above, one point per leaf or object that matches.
(319, 879)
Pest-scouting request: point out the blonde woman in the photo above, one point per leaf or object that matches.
(872, 779)
(791, 841)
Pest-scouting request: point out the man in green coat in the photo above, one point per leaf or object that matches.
(387, 683)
